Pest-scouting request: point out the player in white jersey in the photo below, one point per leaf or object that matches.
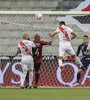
(64, 34)
(88, 48)
(25, 48)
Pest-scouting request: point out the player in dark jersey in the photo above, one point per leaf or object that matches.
(83, 47)
(85, 57)
(37, 55)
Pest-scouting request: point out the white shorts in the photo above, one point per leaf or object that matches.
(28, 61)
(65, 47)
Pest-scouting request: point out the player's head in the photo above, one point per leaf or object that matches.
(26, 37)
(37, 37)
(85, 39)
(62, 23)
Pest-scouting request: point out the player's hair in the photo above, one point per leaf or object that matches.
(85, 36)
(62, 22)
(25, 36)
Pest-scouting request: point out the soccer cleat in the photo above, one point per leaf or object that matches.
(22, 87)
(35, 86)
(63, 70)
(30, 87)
(27, 85)
(76, 84)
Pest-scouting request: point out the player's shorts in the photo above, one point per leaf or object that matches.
(37, 66)
(65, 47)
(28, 61)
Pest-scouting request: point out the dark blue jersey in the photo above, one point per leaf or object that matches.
(82, 47)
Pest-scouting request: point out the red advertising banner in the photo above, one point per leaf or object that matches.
(50, 75)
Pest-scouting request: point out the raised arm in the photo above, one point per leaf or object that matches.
(52, 35)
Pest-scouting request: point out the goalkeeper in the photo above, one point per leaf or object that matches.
(37, 55)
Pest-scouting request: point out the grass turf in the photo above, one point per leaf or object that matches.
(45, 94)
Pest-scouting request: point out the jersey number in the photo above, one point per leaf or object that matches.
(37, 52)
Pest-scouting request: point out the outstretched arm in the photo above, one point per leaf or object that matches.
(52, 35)
(50, 42)
(74, 35)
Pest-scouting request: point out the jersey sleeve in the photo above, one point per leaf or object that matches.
(43, 42)
(57, 30)
(78, 50)
(88, 48)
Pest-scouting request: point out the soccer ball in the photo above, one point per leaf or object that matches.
(38, 15)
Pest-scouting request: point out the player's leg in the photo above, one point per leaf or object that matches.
(78, 62)
(37, 75)
(30, 67)
(30, 78)
(27, 80)
(60, 58)
(60, 62)
(24, 68)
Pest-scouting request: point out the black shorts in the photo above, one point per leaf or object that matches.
(37, 66)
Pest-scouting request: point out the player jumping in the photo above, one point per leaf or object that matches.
(37, 55)
(65, 38)
(25, 48)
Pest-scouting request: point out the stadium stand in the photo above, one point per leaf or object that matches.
(11, 34)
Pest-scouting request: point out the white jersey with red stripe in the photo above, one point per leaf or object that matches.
(64, 34)
(88, 48)
(61, 33)
(29, 44)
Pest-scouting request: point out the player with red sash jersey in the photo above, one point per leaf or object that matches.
(64, 34)
(37, 55)
(25, 48)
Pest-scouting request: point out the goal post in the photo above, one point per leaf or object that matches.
(13, 24)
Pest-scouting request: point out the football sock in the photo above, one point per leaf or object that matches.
(37, 78)
(77, 60)
(30, 78)
(60, 62)
(24, 67)
(27, 77)
(78, 77)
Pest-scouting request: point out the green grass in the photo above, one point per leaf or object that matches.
(45, 94)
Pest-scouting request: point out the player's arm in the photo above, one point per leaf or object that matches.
(46, 43)
(78, 50)
(52, 35)
(18, 51)
(74, 35)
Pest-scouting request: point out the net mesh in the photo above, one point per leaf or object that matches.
(12, 27)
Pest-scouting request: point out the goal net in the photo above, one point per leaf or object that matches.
(13, 24)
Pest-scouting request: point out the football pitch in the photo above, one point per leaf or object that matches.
(45, 94)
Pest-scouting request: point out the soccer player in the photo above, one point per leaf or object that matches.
(25, 48)
(83, 47)
(85, 61)
(37, 55)
(65, 38)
